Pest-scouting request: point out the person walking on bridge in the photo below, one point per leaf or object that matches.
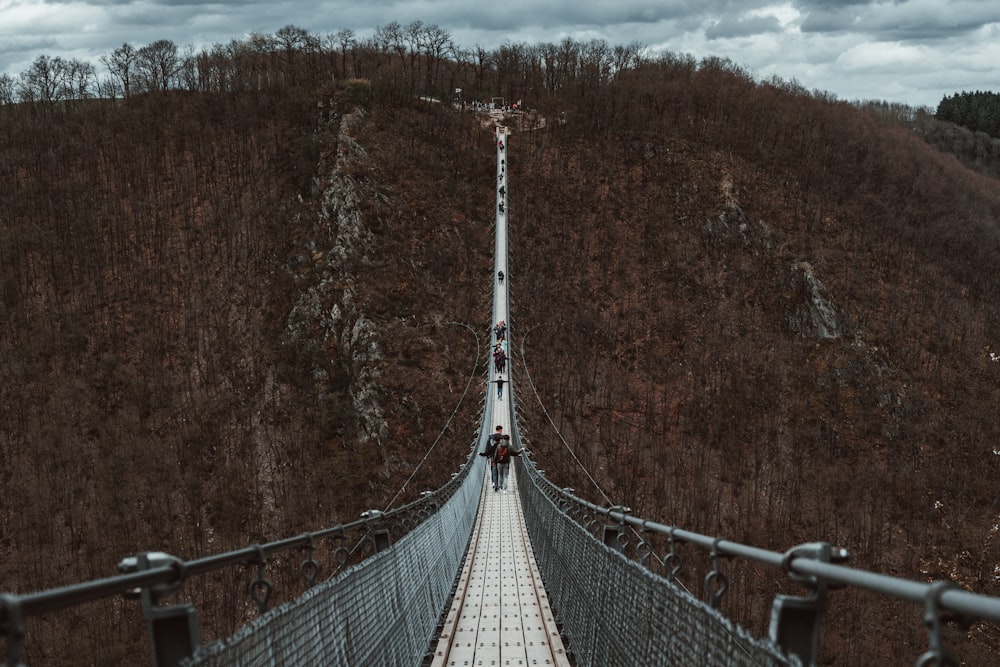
(499, 382)
(500, 276)
(502, 457)
(490, 453)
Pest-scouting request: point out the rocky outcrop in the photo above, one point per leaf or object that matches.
(329, 317)
(815, 316)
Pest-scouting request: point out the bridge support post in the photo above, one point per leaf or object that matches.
(13, 627)
(611, 536)
(380, 539)
(173, 630)
(795, 621)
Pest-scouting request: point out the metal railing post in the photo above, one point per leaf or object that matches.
(173, 630)
(14, 629)
(795, 621)
(611, 536)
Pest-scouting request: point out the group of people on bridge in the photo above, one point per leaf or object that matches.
(503, 168)
(500, 354)
(499, 452)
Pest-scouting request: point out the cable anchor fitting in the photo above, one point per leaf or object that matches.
(716, 582)
(261, 587)
(795, 620)
(309, 568)
(673, 559)
(936, 655)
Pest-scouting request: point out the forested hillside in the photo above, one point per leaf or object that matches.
(233, 313)
(978, 111)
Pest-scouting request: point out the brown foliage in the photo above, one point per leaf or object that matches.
(664, 246)
(153, 397)
(679, 247)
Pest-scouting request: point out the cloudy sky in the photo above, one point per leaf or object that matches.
(907, 51)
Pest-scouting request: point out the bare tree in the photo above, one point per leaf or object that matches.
(482, 63)
(249, 61)
(214, 69)
(293, 42)
(188, 70)
(122, 64)
(54, 79)
(47, 80)
(554, 75)
(158, 64)
(390, 40)
(80, 79)
(413, 35)
(7, 88)
(437, 45)
(627, 56)
(345, 39)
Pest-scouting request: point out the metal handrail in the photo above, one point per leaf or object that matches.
(795, 621)
(964, 602)
(15, 608)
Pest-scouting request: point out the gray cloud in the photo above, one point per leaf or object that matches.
(911, 51)
(901, 19)
(742, 27)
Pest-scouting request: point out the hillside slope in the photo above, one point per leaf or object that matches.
(769, 317)
(228, 319)
(750, 312)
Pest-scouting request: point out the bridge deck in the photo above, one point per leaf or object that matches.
(501, 614)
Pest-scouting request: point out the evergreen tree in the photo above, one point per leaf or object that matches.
(978, 111)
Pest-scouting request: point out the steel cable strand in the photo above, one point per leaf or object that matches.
(534, 390)
(461, 399)
(527, 374)
(448, 421)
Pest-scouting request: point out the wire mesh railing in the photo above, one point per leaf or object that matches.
(614, 610)
(399, 564)
(382, 611)
(603, 576)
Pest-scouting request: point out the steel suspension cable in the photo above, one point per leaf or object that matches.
(534, 390)
(461, 399)
(447, 422)
(608, 500)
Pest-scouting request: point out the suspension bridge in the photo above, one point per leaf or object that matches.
(470, 575)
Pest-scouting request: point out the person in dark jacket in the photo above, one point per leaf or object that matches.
(502, 456)
(491, 450)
